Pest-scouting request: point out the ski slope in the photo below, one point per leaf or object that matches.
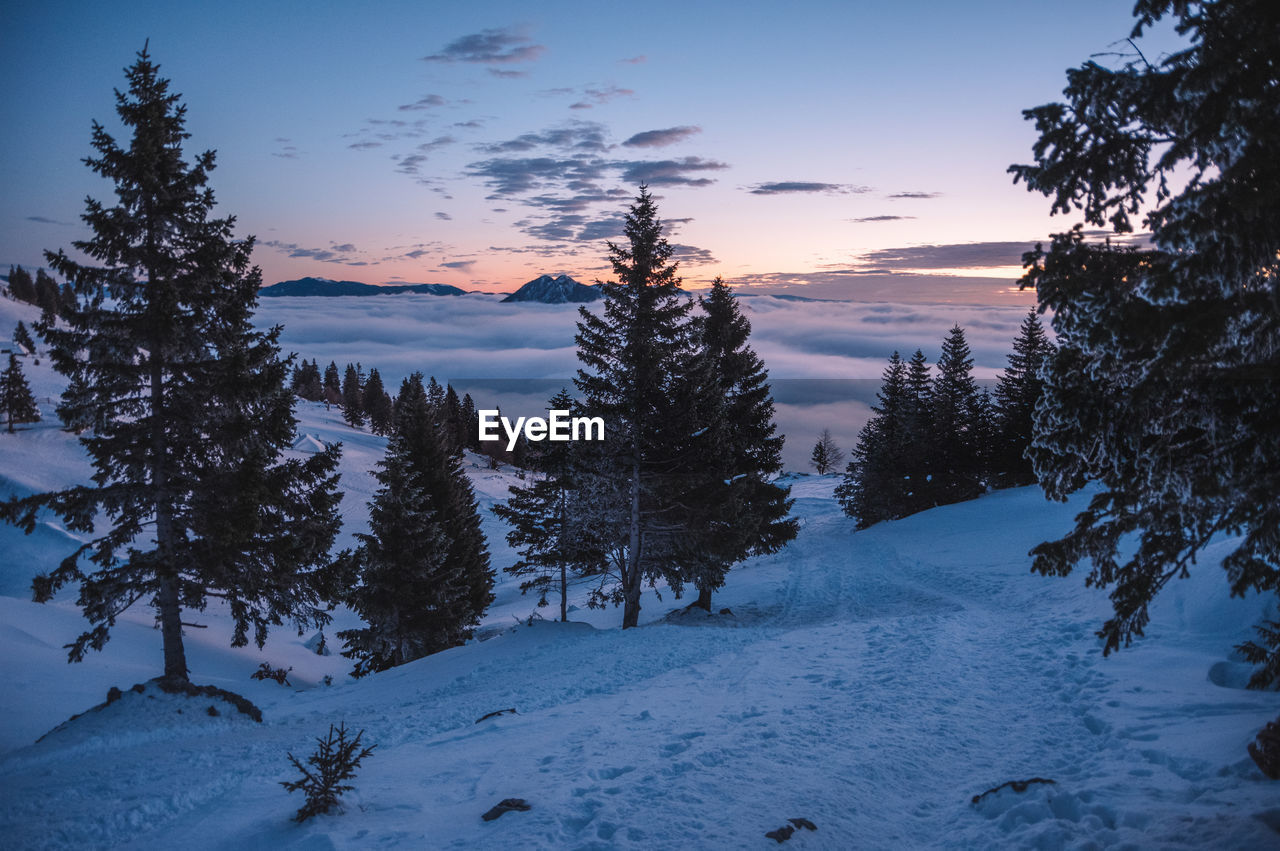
(871, 682)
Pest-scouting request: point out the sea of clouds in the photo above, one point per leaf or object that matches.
(824, 358)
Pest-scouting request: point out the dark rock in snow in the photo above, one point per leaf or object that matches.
(504, 806)
(1018, 786)
(782, 834)
(495, 714)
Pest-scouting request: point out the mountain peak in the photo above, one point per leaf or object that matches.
(558, 290)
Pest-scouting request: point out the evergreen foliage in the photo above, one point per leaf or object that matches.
(332, 385)
(187, 404)
(377, 404)
(22, 337)
(353, 396)
(877, 484)
(1017, 392)
(48, 296)
(1164, 384)
(544, 518)
(954, 457)
(16, 401)
(307, 383)
(333, 763)
(732, 508)
(424, 569)
(827, 454)
(21, 285)
(632, 356)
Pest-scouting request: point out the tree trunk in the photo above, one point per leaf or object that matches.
(564, 593)
(175, 657)
(168, 600)
(631, 582)
(704, 599)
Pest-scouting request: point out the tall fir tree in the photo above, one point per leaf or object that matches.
(353, 396)
(48, 297)
(22, 337)
(188, 406)
(733, 509)
(424, 570)
(470, 434)
(544, 523)
(16, 401)
(919, 396)
(21, 285)
(332, 385)
(377, 404)
(633, 354)
(1018, 390)
(877, 484)
(955, 448)
(1164, 384)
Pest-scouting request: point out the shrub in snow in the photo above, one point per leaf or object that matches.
(1265, 750)
(1267, 656)
(266, 672)
(333, 763)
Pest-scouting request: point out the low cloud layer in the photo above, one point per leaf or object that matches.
(824, 358)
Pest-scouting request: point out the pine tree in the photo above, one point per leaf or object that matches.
(827, 454)
(377, 404)
(22, 337)
(47, 296)
(18, 404)
(543, 523)
(452, 419)
(352, 397)
(733, 510)
(1163, 387)
(188, 406)
(332, 385)
(424, 570)
(470, 434)
(877, 483)
(1017, 392)
(21, 285)
(915, 466)
(307, 383)
(632, 355)
(955, 447)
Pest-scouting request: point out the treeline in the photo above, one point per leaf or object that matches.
(938, 439)
(42, 291)
(681, 487)
(364, 400)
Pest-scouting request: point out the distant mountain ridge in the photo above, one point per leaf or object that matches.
(326, 287)
(561, 290)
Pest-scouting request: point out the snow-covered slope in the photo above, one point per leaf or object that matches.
(872, 682)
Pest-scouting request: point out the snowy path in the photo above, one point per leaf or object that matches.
(869, 682)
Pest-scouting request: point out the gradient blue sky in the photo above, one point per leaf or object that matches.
(848, 150)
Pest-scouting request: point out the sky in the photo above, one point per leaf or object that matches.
(834, 149)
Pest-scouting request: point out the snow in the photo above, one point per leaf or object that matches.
(872, 682)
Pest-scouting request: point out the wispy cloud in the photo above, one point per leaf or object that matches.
(914, 196)
(444, 217)
(497, 46)
(341, 253)
(670, 172)
(365, 145)
(596, 96)
(424, 102)
(661, 138)
(575, 136)
(459, 265)
(962, 255)
(47, 221)
(634, 60)
(880, 219)
(691, 255)
(791, 187)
